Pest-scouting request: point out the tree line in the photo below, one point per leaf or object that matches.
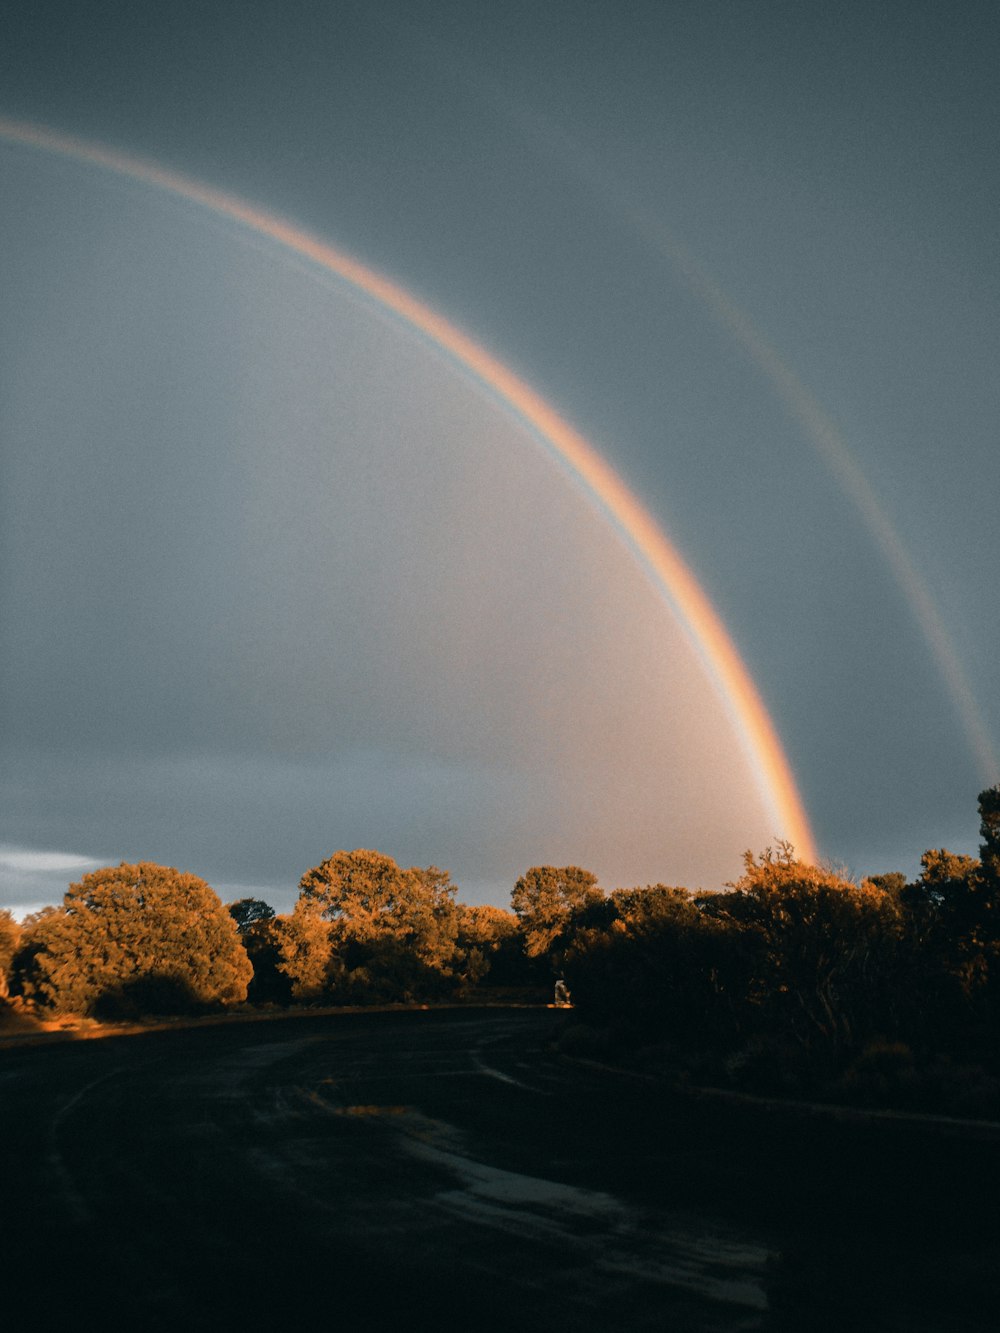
(794, 978)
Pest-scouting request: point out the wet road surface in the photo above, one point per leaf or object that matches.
(416, 1170)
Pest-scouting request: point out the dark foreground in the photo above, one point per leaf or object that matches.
(444, 1170)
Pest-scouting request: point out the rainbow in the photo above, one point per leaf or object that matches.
(607, 492)
(832, 447)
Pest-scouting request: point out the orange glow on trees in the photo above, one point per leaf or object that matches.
(545, 899)
(132, 939)
(10, 934)
(365, 928)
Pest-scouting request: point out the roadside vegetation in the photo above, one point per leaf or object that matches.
(792, 981)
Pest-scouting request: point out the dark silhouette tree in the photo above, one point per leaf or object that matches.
(892, 882)
(136, 938)
(247, 912)
(260, 933)
(651, 957)
(941, 920)
(989, 832)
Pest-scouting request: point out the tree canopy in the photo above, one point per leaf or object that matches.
(793, 976)
(10, 935)
(136, 938)
(249, 912)
(364, 925)
(545, 900)
(989, 831)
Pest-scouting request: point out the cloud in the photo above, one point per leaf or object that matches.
(28, 860)
(31, 878)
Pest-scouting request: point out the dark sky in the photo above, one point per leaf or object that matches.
(748, 250)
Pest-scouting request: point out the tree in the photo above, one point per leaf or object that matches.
(651, 958)
(305, 951)
(826, 946)
(136, 938)
(247, 912)
(486, 927)
(892, 882)
(365, 928)
(10, 935)
(260, 933)
(490, 940)
(545, 900)
(989, 831)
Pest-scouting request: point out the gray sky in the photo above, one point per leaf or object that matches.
(277, 578)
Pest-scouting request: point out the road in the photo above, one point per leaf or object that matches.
(425, 1169)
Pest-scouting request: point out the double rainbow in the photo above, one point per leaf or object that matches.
(605, 489)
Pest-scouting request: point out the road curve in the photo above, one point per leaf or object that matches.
(446, 1170)
(427, 1169)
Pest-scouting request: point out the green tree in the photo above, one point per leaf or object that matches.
(136, 938)
(546, 899)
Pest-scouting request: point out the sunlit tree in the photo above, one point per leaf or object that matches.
(490, 940)
(825, 945)
(305, 951)
(136, 938)
(546, 899)
(10, 935)
(363, 927)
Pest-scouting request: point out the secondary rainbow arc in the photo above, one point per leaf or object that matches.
(643, 536)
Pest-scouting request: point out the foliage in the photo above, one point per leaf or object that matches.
(10, 936)
(943, 915)
(989, 831)
(652, 955)
(249, 912)
(893, 882)
(794, 978)
(131, 939)
(546, 899)
(363, 928)
(799, 979)
(825, 946)
(259, 931)
(952, 915)
(305, 951)
(490, 941)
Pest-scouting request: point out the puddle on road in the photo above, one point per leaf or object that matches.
(605, 1235)
(609, 1235)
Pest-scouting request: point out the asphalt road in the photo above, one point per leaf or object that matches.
(445, 1170)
